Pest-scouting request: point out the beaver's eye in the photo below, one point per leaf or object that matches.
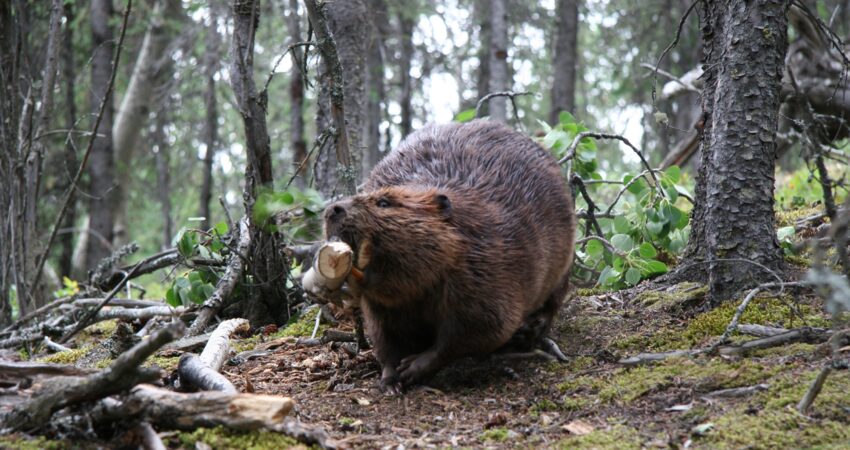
(383, 203)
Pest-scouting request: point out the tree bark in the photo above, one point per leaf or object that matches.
(743, 57)
(375, 85)
(498, 59)
(296, 99)
(163, 178)
(68, 73)
(101, 202)
(211, 57)
(348, 28)
(9, 115)
(481, 13)
(406, 29)
(269, 299)
(136, 103)
(565, 60)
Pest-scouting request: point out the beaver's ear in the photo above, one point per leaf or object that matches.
(444, 205)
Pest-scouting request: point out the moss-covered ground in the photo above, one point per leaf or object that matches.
(589, 402)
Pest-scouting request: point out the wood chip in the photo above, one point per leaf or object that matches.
(578, 428)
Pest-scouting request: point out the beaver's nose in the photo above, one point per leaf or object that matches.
(335, 211)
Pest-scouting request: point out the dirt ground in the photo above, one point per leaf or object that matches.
(590, 401)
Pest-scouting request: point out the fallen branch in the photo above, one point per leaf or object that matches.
(225, 285)
(218, 347)
(123, 374)
(147, 435)
(813, 391)
(194, 372)
(122, 302)
(805, 334)
(54, 346)
(31, 369)
(204, 409)
(760, 330)
(737, 392)
(649, 358)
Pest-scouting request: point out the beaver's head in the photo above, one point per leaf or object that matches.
(393, 223)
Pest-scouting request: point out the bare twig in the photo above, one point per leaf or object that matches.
(510, 94)
(814, 390)
(737, 392)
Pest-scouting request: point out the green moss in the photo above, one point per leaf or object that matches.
(39, 443)
(347, 421)
(683, 295)
(220, 437)
(624, 386)
(761, 311)
(543, 406)
(799, 260)
(789, 217)
(614, 437)
(587, 292)
(69, 357)
(167, 363)
(772, 429)
(495, 435)
(575, 403)
(299, 326)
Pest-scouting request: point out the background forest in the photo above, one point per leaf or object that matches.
(213, 118)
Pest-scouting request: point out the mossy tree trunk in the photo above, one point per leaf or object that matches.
(744, 46)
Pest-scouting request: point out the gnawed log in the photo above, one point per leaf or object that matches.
(204, 409)
(332, 264)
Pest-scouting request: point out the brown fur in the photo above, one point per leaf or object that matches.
(465, 237)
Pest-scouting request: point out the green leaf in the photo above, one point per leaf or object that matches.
(594, 249)
(565, 117)
(556, 140)
(632, 276)
(785, 233)
(654, 267)
(220, 228)
(654, 228)
(647, 250)
(672, 193)
(673, 173)
(676, 245)
(186, 245)
(622, 242)
(622, 225)
(637, 187)
(465, 115)
(171, 298)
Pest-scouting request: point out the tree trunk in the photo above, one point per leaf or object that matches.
(66, 240)
(211, 57)
(101, 163)
(498, 59)
(481, 14)
(376, 91)
(296, 99)
(132, 115)
(9, 115)
(163, 178)
(565, 61)
(268, 301)
(744, 47)
(406, 30)
(349, 25)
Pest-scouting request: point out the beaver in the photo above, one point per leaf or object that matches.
(464, 235)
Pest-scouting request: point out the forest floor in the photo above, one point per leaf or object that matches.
(590, 401)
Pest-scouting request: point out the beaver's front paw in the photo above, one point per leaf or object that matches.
(390, 384)
(416, 368)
